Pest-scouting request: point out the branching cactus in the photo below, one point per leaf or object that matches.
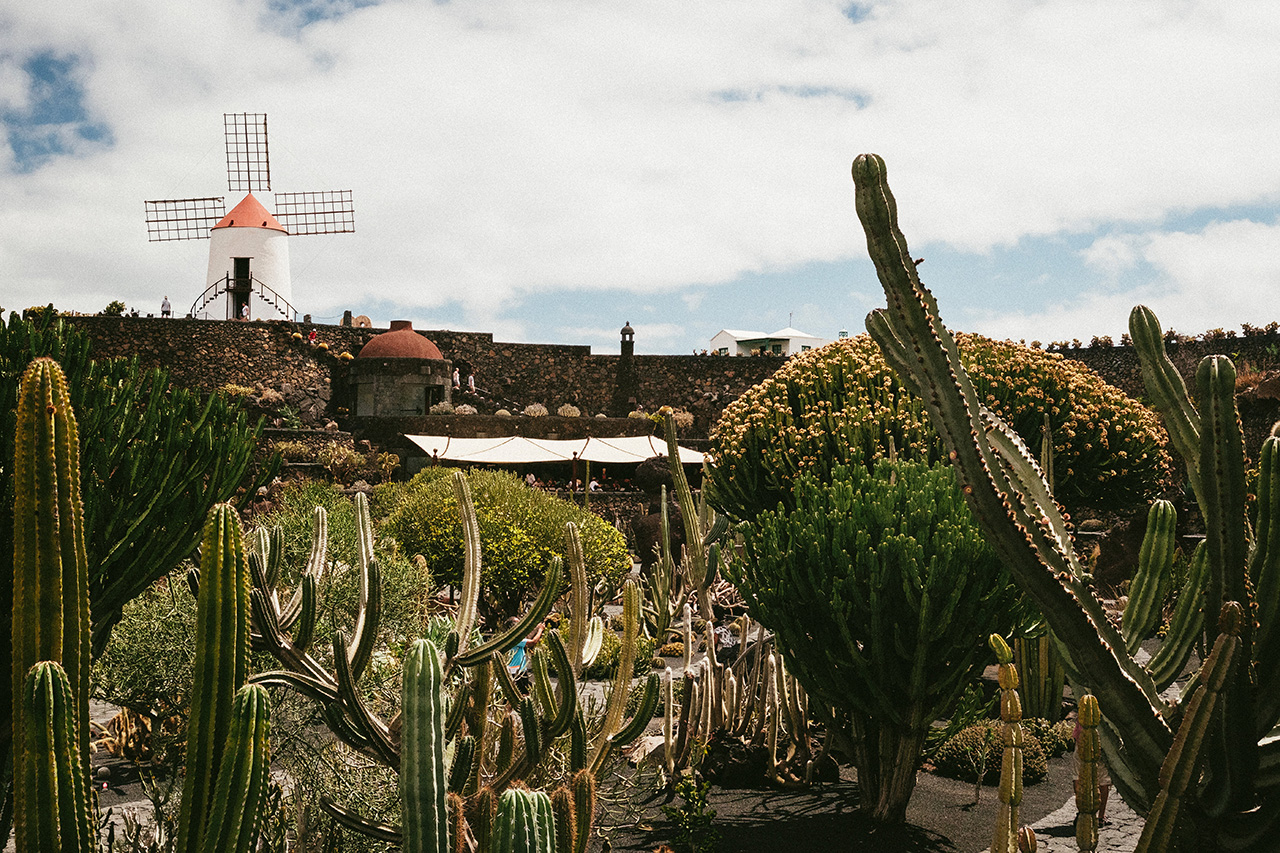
(1006, 837)
(1236, 803)
(50, 574)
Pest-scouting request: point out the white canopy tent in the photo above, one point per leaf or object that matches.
(516, 450)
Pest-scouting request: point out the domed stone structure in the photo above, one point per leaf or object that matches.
(400, 342)
(399, 373)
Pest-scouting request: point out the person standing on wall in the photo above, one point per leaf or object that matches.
(165, 308)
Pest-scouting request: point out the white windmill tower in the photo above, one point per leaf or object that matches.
(248, 247)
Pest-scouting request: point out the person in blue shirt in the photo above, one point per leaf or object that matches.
(518, 664)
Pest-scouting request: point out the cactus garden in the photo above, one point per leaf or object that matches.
(879, 599)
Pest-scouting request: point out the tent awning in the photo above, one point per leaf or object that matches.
(516, 450)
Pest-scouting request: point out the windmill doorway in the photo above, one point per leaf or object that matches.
(239, 289)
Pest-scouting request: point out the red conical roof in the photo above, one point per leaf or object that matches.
(249, 213)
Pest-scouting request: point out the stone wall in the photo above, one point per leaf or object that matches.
(207, 354)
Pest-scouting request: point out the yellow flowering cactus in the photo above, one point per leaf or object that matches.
(841, 404)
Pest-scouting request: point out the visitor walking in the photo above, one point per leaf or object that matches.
(165, 308)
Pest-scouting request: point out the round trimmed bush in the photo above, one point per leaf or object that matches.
(535, 410)
(521, 530)
(842, 405)
(960, 756)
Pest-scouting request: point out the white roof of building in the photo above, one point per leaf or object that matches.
(518, 450)
(788, 332)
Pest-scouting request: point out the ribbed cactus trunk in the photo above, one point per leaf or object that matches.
(422, 769)
(525, 823)
(221, 664)
(54, 779)
(50, 572)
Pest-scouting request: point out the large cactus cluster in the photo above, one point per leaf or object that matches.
(755, 699)
(459, 699)
(1232, 799)
(51, 654)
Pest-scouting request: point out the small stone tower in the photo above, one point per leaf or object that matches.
(626, 393)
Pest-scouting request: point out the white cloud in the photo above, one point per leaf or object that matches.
(498, 150)
(1217, 277)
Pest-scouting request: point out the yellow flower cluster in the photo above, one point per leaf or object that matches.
(842, 404)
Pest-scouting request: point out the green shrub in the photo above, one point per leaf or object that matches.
(1055, 738)
(960, 756)
(521, 529)
(115, 308)
(841, 405)
(147, 665)
(292, 451)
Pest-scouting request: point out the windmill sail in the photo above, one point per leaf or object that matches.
(326, 212)
(183, 218)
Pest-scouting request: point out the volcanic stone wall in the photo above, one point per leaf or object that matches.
(208, 354)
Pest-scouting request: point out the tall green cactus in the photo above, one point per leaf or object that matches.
(53, 779)
(50, 574)
(422, 767)
(235, 813)
(1238, 802)
(221, 664)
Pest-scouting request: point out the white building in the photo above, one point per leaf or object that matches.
(249, 261)
(786, 341)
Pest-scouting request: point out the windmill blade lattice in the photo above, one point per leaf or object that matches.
(326, 212)
(248, 164)
(183, 218)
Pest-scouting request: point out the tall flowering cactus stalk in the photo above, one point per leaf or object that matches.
(50, 570)
(1235, 802)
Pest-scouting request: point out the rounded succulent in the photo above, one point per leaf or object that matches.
(535, 410)
(568, 410)
(841, 404)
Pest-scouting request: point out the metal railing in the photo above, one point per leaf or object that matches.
(230, 284)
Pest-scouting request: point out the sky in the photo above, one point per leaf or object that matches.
(548, 170)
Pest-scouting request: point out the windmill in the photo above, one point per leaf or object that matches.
(248, 247)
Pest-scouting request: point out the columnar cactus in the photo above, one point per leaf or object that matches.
(422, 768)
(525, 823)
(50, 573)
(1240, 797)
(1006, 836)
(235, 812)
(53, 779)
(1088, 756)
(221, 664)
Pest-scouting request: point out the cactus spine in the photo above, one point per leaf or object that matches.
(1006, 837)
(422, 771)
(53, 767)
(221, 664)
(50, 572)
